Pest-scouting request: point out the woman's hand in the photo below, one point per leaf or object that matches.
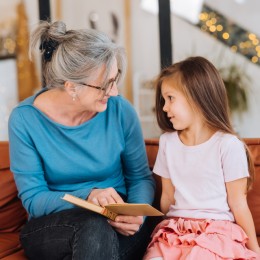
(127, 225)
(103, 197)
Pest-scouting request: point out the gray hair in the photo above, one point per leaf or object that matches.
(76, 54)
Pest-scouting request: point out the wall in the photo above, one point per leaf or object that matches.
(247, 125)
(245, 14)
(189, 40)
(186, 40)
(8, 68)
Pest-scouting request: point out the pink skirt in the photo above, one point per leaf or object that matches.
(190, 239)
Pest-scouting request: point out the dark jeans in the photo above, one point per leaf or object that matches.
(80, 234)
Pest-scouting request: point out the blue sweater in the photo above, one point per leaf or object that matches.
(49, 159)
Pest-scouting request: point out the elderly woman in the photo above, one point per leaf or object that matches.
(78, 136)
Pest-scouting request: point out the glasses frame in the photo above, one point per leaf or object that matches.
(106, 89)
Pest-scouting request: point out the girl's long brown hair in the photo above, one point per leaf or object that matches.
(203, 86)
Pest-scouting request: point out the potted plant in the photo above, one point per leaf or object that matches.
(237, 85)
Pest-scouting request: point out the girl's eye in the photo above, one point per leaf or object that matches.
(171, 98)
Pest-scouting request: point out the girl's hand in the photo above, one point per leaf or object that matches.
(103, 197)
(127, 225)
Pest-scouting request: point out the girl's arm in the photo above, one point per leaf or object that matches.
(167, 197)
(236, 191)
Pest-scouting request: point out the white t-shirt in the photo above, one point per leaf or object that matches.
(199, 173)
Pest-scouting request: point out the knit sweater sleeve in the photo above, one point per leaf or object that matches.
(27, 167)
(139, 181)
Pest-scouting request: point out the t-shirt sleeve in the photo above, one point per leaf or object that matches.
(160, 166)
(234, 160)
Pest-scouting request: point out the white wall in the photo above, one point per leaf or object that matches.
(8, 10)
(245, 13)
(8, 75)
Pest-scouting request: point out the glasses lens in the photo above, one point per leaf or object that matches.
(117, 77)
(110, 85)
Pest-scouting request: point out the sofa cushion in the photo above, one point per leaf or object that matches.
(253, 199)
(19, 255)
(12, 213)
(253, 196)
(9, 244)
(254, 146)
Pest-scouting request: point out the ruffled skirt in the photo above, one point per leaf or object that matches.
(177, 238)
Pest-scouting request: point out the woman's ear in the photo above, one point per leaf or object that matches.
(70, 88)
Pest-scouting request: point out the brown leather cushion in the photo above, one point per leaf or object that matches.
(9, 244)
(19, 255)
(12, 213)
(253, 199)
(254, 195)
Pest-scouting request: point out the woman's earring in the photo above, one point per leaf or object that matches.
(74, 95)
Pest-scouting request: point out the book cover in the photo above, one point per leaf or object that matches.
(112, 210)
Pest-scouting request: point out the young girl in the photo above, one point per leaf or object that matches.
(205, 170)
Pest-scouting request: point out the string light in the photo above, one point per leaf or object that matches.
(234, 48)
(238, 39)
(225, 35)
(254, 59)
(7, 38)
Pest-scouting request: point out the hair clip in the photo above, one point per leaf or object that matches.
(49, 46)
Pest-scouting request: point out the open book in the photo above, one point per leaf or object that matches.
(112, 210)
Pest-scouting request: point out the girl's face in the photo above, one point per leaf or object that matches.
(178, 109)
(93, 99)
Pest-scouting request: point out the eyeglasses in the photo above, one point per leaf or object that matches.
(108, 86)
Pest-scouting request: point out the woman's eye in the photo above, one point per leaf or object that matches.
(171, 98)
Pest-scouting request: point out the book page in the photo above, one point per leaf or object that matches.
(83, 203)
(90, 206)
(112, 210)
(134, 209)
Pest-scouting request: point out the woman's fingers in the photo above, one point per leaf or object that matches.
(103, 197)
(125, 233)
(103, 201)
(127, 225)
(117, 197)
(95, 201)
(125, 228)
(129, 219)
